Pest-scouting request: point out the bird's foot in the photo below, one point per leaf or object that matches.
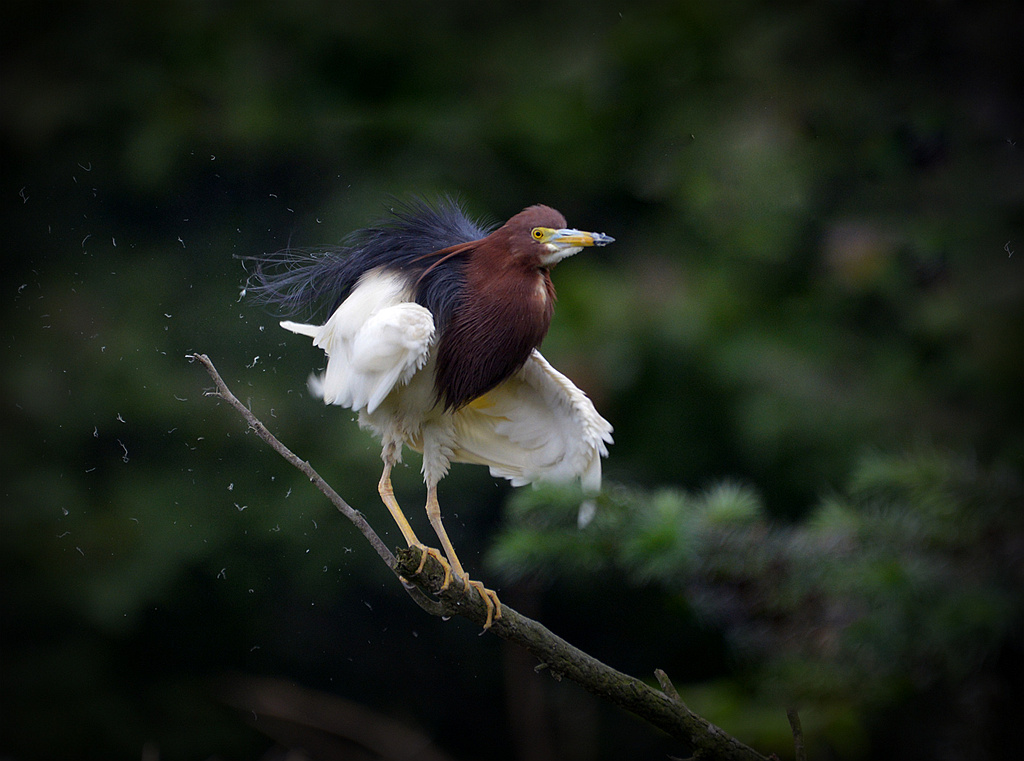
(490, 598)
(436, 554)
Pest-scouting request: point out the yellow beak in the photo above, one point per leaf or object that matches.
(570, 238)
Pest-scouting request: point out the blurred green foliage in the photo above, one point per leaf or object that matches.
(906, 582)
(807, 335)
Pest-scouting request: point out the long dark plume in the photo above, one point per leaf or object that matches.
(305, 281)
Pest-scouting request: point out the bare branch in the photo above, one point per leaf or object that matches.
(222, 391)
(662, 708)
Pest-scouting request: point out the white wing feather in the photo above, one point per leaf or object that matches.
(374, 341)
(535, 426)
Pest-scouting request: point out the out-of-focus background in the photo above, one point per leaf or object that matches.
(808, 336)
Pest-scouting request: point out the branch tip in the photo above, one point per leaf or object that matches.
(667, 687)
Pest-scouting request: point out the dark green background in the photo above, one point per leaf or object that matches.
(819, 222)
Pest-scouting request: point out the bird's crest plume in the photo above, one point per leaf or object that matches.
(416, 236)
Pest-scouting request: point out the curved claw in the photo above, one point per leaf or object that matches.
(436, 554)
(490, 598)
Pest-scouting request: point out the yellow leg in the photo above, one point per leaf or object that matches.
(387, 495)
(489, 596)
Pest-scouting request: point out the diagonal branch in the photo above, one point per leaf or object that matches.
(662, 708)
(344, 508)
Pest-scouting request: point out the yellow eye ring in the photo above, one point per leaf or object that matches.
(537, 233)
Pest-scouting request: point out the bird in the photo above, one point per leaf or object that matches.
(433, 335)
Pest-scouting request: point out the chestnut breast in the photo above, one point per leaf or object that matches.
(503, 315)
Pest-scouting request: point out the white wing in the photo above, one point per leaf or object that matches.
(374, 342)
(536, 426)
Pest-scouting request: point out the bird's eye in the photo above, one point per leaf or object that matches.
(537, 233)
